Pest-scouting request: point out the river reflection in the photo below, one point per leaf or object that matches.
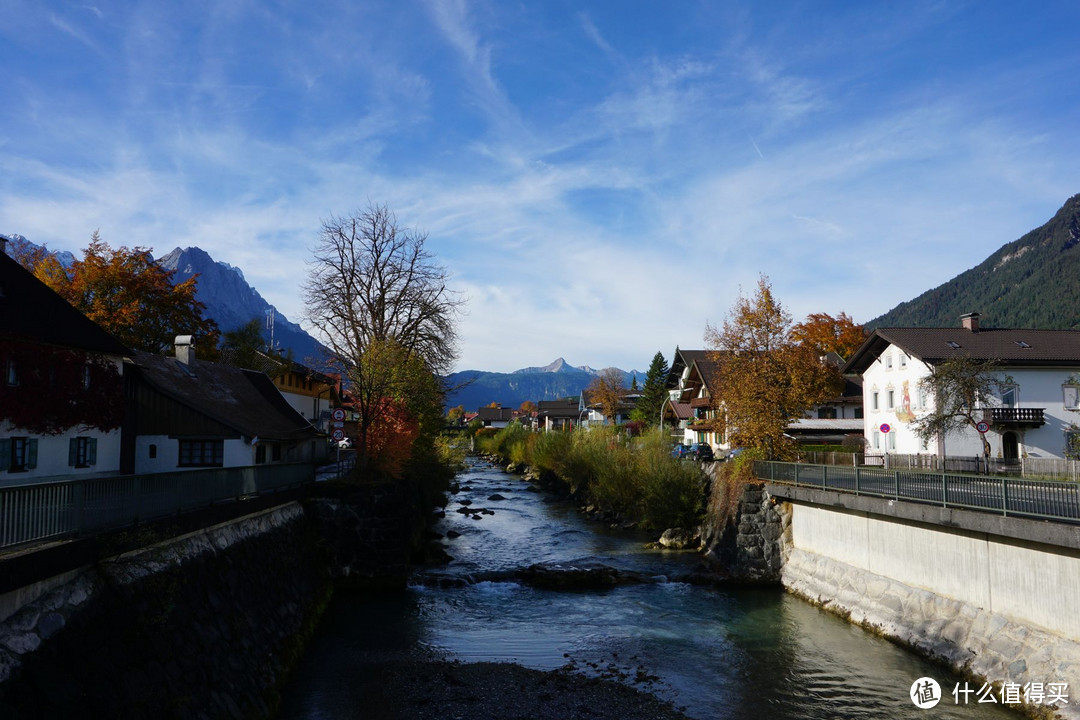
(732, 653)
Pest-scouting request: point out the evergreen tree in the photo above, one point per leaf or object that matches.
(653, 393)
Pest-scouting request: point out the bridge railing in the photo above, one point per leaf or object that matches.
(51, 510)
(1004, 495)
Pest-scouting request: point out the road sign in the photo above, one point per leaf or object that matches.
(982, 427)
(338, 414)
(338, 435)
(885, 427)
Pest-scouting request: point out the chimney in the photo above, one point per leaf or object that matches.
(970, 322)
(185, 349)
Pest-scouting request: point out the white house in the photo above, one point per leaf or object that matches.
(61, 385)
(1034, 416)
(188, 414)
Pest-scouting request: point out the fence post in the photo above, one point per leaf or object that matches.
(796, 474)
(856, 482)
(78, 500)
(944, 489)
(1004, 497)
(896, 484)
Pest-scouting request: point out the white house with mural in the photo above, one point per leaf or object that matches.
(1034, 416)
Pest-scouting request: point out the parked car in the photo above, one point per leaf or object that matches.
(680, 451)
(701, 451)
(345, 444)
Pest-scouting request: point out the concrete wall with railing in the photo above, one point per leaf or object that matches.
(1032, 583)
(996, 598)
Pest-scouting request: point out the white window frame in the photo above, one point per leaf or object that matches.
(1069, 391)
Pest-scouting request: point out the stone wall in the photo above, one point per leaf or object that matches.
(749, 541)
(205, 625)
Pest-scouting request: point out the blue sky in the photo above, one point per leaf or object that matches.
(601, 178)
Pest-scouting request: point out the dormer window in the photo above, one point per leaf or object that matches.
(953, 345)
(1023, 344)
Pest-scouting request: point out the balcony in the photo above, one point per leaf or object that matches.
(1016, 417)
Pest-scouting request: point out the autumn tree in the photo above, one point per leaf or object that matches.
(608, 390)
(765, 378)
(528, 407)
(956, 388)
(381, 304)
(653, 392)
(824, 334)
(455, 415)
(128, 294)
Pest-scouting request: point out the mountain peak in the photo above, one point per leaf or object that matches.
(558, 365)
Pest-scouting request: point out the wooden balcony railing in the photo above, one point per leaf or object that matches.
(1017, 416)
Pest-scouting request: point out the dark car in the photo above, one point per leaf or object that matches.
(680, 451)
(701, 452)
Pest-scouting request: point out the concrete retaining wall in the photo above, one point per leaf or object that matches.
(1001, 609)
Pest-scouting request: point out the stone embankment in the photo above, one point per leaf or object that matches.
(205, 625)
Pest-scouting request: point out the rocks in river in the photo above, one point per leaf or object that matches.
(496, 496)
(476, 517)
(451, 534)
(465, 488)
(571, 577)
(466, 503)
(679, 539)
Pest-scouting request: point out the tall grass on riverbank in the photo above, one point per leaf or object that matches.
(635, 478)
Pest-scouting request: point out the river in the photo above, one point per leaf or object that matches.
(719, 653)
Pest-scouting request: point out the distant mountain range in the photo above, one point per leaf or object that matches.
(232, 302)
(473, 389)
(228, 297)
(1033, 282)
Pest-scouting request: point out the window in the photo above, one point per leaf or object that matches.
(260, 454)
(891, 399)
(82, 452)
(920, 396)
(874, 401)
(275, 452)
(86, 377)
(903, 360)
(859, 413)
(1071, 396)
(888, 362)
(877, 440)
(1009, 395)
(202, 453)
(18, 454)
(153, 451)
(826, 413)
(892, 440)
(11, 373)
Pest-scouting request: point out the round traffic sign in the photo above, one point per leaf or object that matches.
(982, 427)
(885, 427)
(338, 435)
(338, 414)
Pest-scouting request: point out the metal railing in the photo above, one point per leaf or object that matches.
(1059, 501)
(52, 510)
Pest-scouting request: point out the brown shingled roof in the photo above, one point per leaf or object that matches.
(244, 400)
(1008, 347)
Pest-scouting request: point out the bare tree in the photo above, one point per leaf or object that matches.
(959, 387)
(373, 280)
(380, 303)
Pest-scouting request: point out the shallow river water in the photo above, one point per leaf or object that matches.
(718, 653)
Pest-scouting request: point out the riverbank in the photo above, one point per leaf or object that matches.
(431, 689)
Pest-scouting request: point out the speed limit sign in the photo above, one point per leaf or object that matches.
(982, 427)
(338, 435)
(338, 414)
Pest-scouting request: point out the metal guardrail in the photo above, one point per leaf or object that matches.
(1059, 501)
(43, 511)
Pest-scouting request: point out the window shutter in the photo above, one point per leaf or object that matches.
(91, 452)
(5, 454)
(73, 451)
(31, 454)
